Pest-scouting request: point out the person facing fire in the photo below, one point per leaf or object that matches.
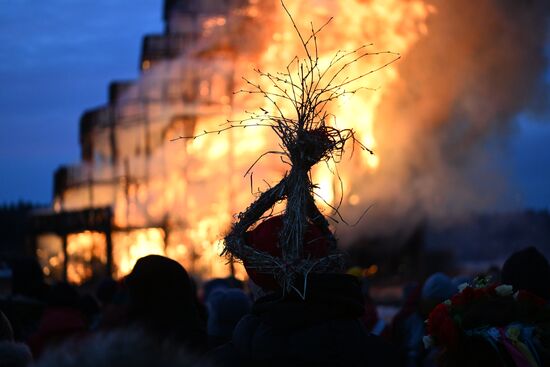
(285, 329)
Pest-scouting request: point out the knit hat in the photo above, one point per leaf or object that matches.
(225, 308)
(438, 287)
(265, 237)
(528, 269)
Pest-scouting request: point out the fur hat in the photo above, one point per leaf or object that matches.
(438, 287)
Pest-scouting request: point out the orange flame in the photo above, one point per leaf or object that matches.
(184, 194)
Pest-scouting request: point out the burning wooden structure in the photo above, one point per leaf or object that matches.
(136, 191)
(132, 193)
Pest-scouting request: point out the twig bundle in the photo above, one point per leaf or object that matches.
(306, 138)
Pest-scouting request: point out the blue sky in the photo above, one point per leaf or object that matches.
(57, 58)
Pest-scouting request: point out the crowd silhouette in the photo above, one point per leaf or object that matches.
(158, 315)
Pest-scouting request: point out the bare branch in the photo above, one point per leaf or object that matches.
(260, 157)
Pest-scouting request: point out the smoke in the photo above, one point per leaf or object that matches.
(442, 125)
(460, 88)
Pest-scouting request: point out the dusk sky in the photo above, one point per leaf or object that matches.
(57, 58)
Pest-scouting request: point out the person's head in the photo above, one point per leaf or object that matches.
(528, 269)
(161, 297)
(225, 308)
(436, 289)
(213, 285)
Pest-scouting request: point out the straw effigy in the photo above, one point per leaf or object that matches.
(306, 138)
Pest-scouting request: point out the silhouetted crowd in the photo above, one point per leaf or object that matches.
(159, 316)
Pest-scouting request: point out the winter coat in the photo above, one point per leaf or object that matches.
(323, 330)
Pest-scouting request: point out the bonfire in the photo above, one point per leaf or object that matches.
(308, 135)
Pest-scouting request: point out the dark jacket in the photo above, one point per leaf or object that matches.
(323, 330)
